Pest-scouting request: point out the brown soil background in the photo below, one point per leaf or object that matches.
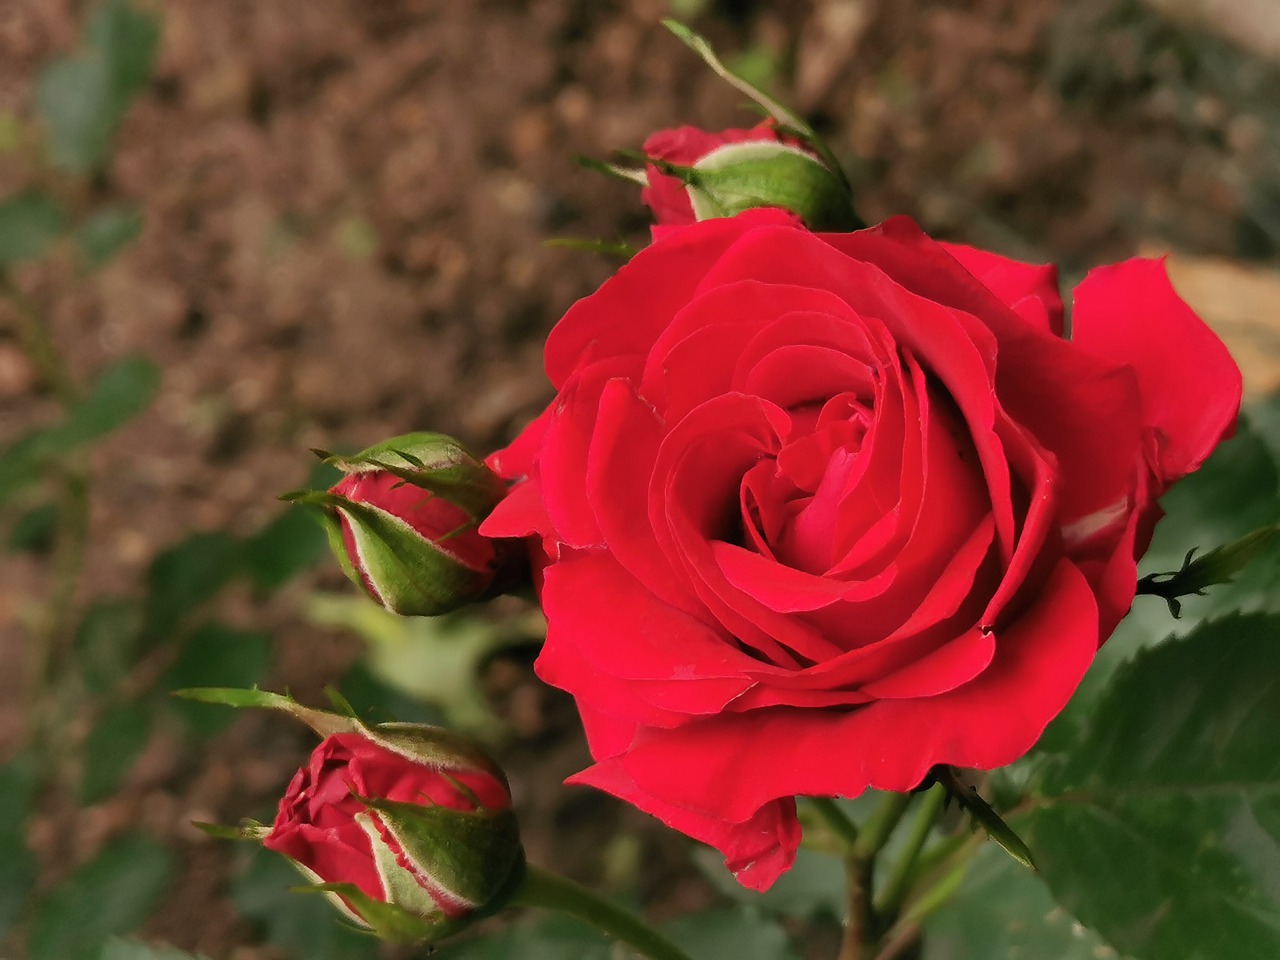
(346, 204)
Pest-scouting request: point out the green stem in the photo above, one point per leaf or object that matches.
(835, 819)
(554, 892)
(875, 832)
(898, 884)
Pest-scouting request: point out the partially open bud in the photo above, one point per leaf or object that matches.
(408, 827)
(403, 521)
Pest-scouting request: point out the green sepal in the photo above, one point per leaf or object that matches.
(986, 816)
(434, 462)
(788, 122)
(435, 747)
(468, 854)
(1219, 566)
(250, 830)
(744, 176)
(411, 575)
(322, 722)
(613, 170)
(387, 920)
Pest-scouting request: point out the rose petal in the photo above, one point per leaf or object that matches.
(1189, 385)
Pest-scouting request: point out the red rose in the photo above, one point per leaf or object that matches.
(340, 821)
(820, 511)
(665, 195)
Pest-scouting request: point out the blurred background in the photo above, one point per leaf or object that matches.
(233, 231)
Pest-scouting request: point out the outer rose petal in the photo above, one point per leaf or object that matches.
(729, 767)
(1190, 387)
(757, 850)
(1030, 290)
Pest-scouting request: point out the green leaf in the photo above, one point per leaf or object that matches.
(186, 576)
(121, 392)
(303, 926)
(17, 865)
(82, 99)
(135, 950)
(217, 654)
(35, 530)
(1003, 912)
(111, 747)
(105, 234)
(282, 549)
(111, 894)
(29, 223)
(741, 932)
(1161, 828)
(106, 642)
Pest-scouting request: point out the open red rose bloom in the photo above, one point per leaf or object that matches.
(818, 512)
(324, 824)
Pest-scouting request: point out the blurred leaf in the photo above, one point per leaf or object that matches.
(121, 392)
(10, 131)
(35, 530)
(82, 99)
(106, 233)
(378, 702)
(289, 544)
(217, 655)
(813, 886)
(1004, 912)
(29, 223)
(135, 950)
(184, 577)
(111, 747)
(547, 937)
(106, 642)
(17, 865)
(304, 926)
(111, 894)
(1161, 829)
(739, 931)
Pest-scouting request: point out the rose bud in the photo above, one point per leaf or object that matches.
(403, 520)
(696, 175)
(409, 829)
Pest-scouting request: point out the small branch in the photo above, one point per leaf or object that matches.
(875, 832)
(898, 885)
(37, 342)
(835, 819)
(860, 922)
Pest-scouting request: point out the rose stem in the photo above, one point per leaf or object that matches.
(860, 929)
(835, 819)
(551, 891)
(898, 884)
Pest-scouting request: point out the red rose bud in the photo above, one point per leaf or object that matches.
(409, 829)
(695, 175)
(402, 523)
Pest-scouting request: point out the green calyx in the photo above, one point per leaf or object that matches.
(410, 574)
(462, 861)
(745, 176)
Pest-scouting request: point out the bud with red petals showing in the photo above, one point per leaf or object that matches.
(403, 520)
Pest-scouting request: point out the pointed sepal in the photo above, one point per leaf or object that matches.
(322, 722)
